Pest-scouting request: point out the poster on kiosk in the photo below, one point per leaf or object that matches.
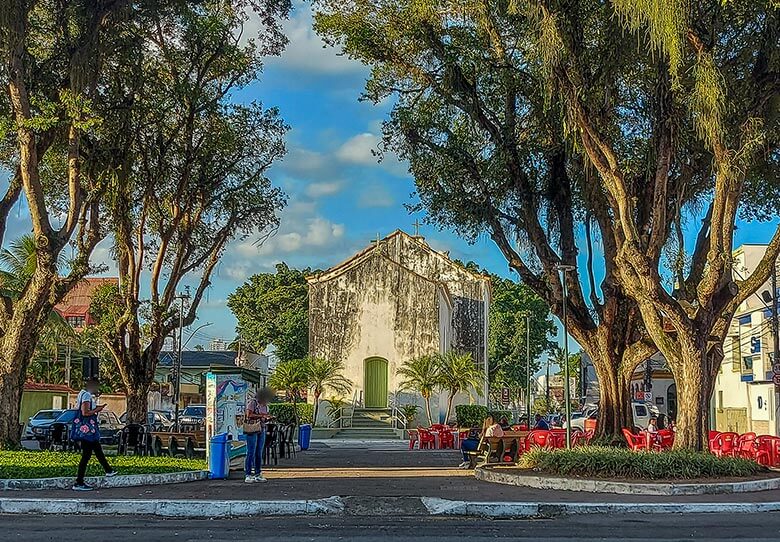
(227, 391)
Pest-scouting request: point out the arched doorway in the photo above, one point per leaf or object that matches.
(375, 382)
(671, 401)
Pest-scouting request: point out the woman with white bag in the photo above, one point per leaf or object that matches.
(255, 417)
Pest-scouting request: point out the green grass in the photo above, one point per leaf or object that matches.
(55, 464)
(604, 462)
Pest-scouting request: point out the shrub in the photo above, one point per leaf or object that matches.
(409, 410)
(470, 415)
(603, 462)
(58, 464)
(498, 414)
(473, 415)
(285, 413)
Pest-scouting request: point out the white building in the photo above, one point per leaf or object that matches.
(393, 301)
(744, 396)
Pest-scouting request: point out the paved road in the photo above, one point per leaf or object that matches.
(636, 528)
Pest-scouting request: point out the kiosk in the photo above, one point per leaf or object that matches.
(227, 391)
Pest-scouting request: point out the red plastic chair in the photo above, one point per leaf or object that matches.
(767, 450)
(713, 434)
(446, 438)
(539, 438)
(725, 445)
(664, 440)
(746, 446)
(427, 440)
(413, 439)
(589, 435)
(635, 443)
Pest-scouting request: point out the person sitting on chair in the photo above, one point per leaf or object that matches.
(541, 423)
(469, 444)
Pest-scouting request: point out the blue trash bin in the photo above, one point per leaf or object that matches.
(304, 436)
(219, 456)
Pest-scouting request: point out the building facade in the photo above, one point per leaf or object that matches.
(395, 300)
(744, 397)
(74, 307)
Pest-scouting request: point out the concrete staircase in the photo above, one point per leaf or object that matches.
(370, 425)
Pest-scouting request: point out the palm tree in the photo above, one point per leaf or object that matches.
(292, 376)
(326, 375)
(459, 373)
(422, 376)
(17, 265)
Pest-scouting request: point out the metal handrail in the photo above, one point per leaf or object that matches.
(398, 418)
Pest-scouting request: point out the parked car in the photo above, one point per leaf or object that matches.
(156, 420)
(36, 424)
(59, 431)
(193, 415)
(642, 412)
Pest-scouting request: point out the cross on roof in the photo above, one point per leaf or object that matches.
(417, 227)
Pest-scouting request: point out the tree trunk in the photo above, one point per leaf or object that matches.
(16, 350)
(614, 403)
(449, 407)
(316, 408)
(428, 410)
(694, 387)
(137, 401)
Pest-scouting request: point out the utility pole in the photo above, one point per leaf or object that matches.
(566, 384)
(67, 364)
(775, 346)
(528, 366)
(177, 367)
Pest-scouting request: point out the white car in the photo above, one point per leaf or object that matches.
(642, 412)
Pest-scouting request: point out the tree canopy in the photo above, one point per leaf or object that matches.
(273, 308)
(547, 122)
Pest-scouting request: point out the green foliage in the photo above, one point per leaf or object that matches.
(498, 414)
(409, 411)
(27, 464)
(470, 415)
(603, 462)
(326, 375)
(273, 308)
(292, 376)
(286, 412)
(541, 406)
(421, 375)
(507, 333)
(335, 405)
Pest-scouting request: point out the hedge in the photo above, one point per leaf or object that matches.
(474, 415)
(603, 462)
(285, 414)
(28, 464)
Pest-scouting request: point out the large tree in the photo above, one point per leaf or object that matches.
(197, 178)
(489, 152)
(508, 334)
(697, 93)
(273, 309)
(628, 116)
(59, 141)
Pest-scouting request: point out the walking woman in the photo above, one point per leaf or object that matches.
(86, 430)
(256, 416)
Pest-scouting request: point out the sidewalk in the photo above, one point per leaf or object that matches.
(374, 472)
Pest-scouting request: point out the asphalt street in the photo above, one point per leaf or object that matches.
(711, 527)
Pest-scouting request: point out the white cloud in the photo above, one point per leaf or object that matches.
(362, 150)
(375, 195)
(307, 53)
(323, 189)
(359, 149)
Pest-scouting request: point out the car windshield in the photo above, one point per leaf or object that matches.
(67, 416)
(47, 415)
(195, 411)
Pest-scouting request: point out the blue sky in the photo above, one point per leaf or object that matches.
(340, 198)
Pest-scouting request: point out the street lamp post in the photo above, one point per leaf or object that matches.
(528, 367)
(566, 385)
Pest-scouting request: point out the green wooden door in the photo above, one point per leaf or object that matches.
(375, 383)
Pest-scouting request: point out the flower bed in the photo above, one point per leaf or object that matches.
(59, 464)
(616, 463)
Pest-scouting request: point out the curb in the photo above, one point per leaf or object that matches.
(177, 509)
(129, 480)
(444, 507)
(362, 506)
(494, 475)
